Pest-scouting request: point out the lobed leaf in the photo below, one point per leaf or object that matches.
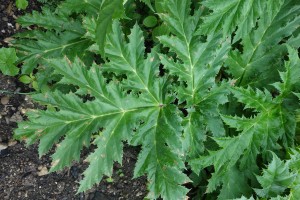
(261, 46)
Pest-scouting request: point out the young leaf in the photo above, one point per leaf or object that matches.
(150, 21)
(21, 4)
(8, 59)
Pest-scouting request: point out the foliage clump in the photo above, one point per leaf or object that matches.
(208, 89)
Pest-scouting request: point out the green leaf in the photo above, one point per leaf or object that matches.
(291, 76)
(150, 21)
(52, 21)
(294, 41)
(40, 44)
(25, 79)
(234, 185)
(148, 3)
(128, 59)
(258, 134)
(194, 134)
(114, 116)
(110, 9)
(159, 31)
(261, 47)
(197, 64)
(244, 198)
(161, 156)
(8, 59)
(229, 14)
(90, 7)
(21, 4)
(275, 179)
(200, 61)
(213, 96)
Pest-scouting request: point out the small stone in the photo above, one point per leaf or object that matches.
(5, 19)
(3, 146)
(43, 171)
(61, 187)
(139, 194)
(4, 100)
(17, 117)
(17, 26)
(12, 143)
(23, 110)
(7, 120)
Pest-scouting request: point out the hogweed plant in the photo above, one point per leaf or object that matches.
(209, 90)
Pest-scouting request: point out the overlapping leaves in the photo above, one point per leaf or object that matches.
(169, 101)
(258, 133)
(262, 47)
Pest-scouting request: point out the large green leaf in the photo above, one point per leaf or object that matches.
(115, 115)
(254, 64)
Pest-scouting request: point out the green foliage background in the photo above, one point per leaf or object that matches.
(208, 89)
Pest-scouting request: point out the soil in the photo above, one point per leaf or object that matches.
(23, 175)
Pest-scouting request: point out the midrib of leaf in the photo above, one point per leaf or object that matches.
(94, 117)
(40, 54)
(91, 118)
(256, 47)
(64, 46)
(115, 127)
(191, 64)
